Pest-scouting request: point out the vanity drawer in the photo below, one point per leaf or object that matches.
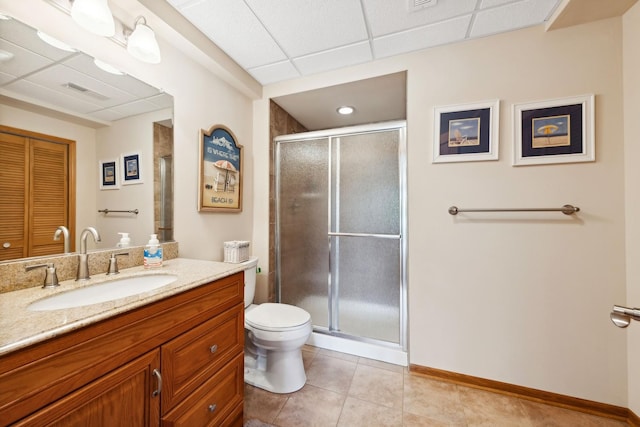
(188, 360)
(212, 403)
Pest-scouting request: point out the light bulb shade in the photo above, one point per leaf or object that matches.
(142, 44)
(94, 16)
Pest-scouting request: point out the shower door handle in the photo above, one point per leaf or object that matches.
(380, 236)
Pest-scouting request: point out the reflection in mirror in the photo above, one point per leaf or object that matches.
(64, 94)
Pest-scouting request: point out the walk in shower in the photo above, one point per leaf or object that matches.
(340, 236)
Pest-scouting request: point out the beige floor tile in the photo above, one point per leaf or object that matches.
(412, 420)
(378, 386)
(311, 407)
(381, 365)
(307, 358)
(487, 409)
(358, 413)
(262, 404)
(338, 355)
(551, 416)
(434, 400)
(331, 373)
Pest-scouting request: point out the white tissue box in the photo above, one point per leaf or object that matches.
(236, 251)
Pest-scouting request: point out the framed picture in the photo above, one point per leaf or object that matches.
(555, 131)
(467, 132)
(131, 169)
(220, 178)
(108, 171)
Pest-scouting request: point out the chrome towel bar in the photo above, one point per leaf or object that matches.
(566, 209)
(106, 211)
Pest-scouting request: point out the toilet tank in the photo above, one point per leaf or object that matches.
(249, 280)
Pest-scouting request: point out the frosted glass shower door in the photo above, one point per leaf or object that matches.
(366, 236)
(302, 223)
(339, 230)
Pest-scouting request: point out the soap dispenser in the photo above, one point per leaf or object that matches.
(125, 241)
(153, 253)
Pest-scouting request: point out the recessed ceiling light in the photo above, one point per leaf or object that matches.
(107, 67)
(345, 110)
(55, 42)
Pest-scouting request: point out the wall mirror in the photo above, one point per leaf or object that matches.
(115, 114)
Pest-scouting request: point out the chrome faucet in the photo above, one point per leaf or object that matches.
(65, 232)
(83, 263)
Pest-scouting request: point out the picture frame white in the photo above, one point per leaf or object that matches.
(554, 131)
(131, 168)
(108, 174)
(466, 132)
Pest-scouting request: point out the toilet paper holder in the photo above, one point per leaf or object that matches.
(622, 316)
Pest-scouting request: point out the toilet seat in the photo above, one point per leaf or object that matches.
(277, 317)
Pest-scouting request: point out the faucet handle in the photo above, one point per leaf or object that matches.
(51, 277)
(113, 263)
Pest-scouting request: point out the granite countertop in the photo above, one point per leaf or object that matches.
(20, 327)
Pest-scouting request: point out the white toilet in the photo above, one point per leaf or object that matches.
(274, 336)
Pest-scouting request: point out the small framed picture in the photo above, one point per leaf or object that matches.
(555, 131)
(108, 171)
(131, 169)
(467, 132)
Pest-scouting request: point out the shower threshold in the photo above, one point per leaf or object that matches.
(371, 349)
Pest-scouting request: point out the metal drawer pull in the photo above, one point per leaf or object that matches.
(214, 348)
(212, 407)
(159, 377)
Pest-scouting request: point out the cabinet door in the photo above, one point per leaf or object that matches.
(14, 178)
(123, 398)
(49, 195)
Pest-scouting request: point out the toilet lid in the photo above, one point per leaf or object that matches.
(277, 316)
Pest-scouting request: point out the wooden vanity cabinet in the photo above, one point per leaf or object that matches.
(189, 346)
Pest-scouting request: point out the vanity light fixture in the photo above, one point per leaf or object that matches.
(345, 110)
(107, 67)
(52, 41)
(142, 43)
(94, 16)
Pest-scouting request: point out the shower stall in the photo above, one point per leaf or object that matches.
(340, 236)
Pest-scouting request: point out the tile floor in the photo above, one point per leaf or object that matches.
(350, 391)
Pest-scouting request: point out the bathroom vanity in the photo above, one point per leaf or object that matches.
(171, 357)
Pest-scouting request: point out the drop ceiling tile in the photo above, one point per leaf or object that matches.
(274, 72)
(335, 58)
(422, 38)
(50, 98)
(302, 27)
(5, 78)
(389, 16)
(24, 61)
(85, 65)
(493, 3)
(59, 77)
(512, 16)
(235, 29)
(18, 33)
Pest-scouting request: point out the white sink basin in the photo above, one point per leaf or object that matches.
(103, 291)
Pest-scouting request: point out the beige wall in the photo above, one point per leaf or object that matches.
(201, 100)
(519, 298)
(631, 69)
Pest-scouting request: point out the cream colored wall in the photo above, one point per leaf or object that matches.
(201, 100)
(631, 37)
(518, 298)
(127, 136)
(85, 137)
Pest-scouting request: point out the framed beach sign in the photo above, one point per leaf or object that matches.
(108, 170)
(467, 132)
(220, 178)
(555, 131)
(131, 169)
